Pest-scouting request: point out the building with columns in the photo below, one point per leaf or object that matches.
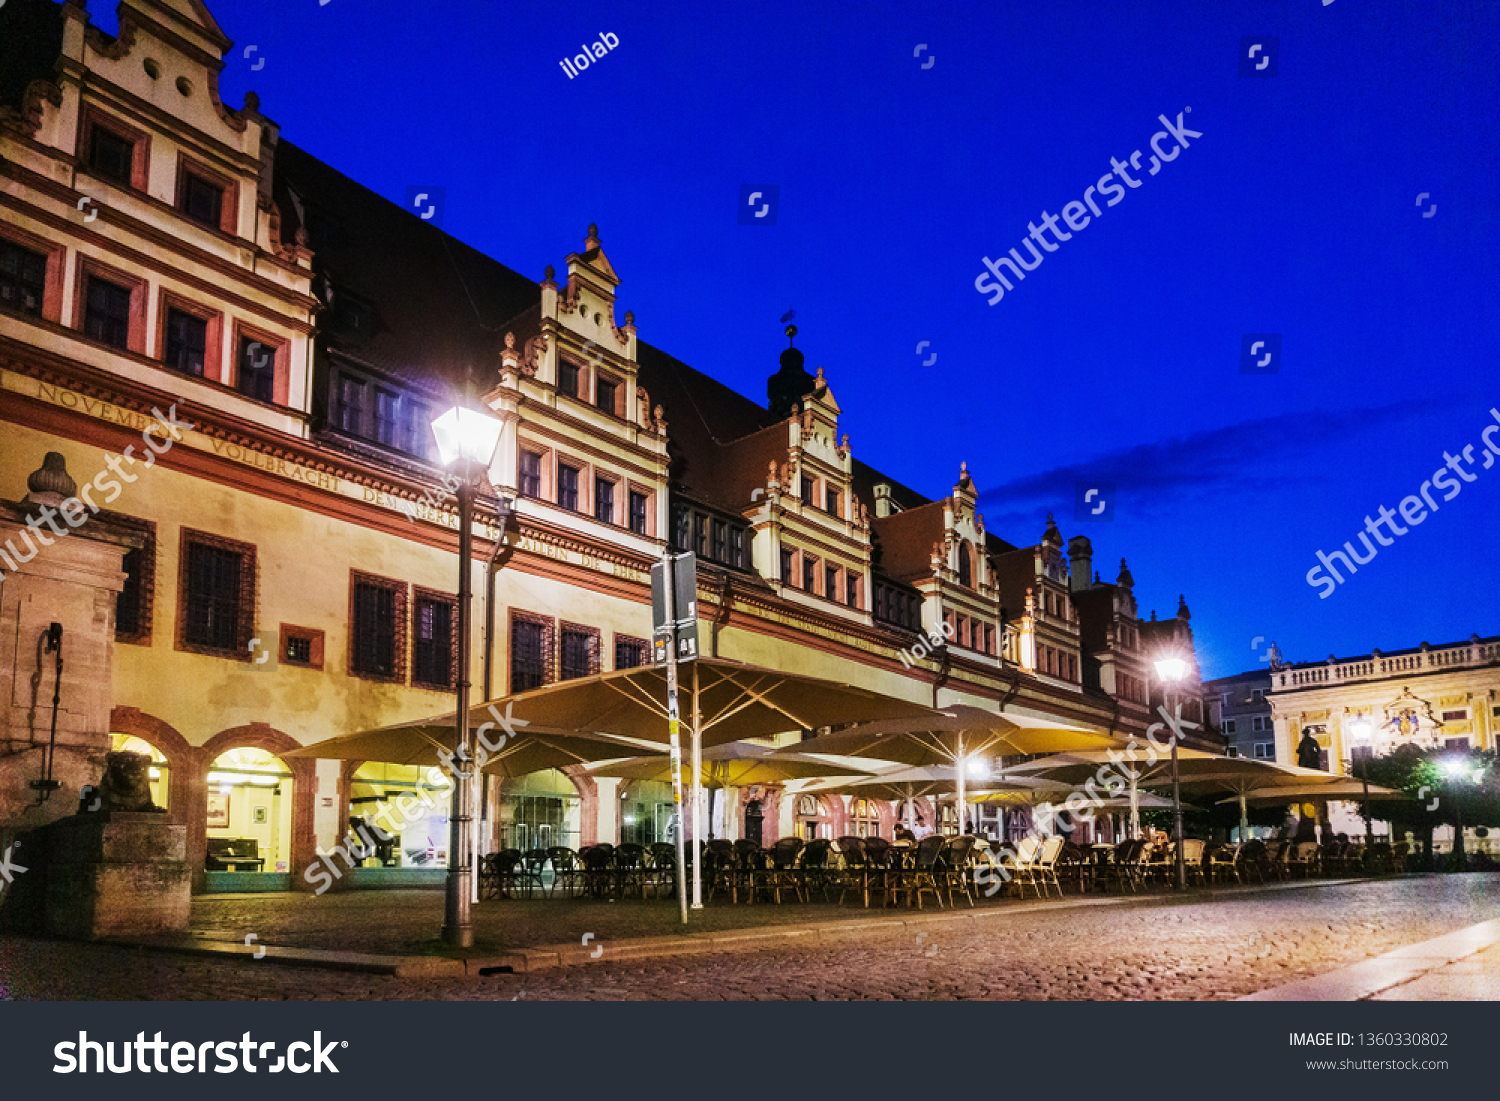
(235, 352)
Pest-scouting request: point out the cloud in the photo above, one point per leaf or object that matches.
(1162, 474)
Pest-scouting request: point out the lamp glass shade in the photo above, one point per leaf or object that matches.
(979, 766)
(466, 435)
(1171, 669)
(1361, 730)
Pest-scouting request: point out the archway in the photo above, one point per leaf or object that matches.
(544, 809)
(645, 811)
(274, 809)
(812, 818)
(178, 764)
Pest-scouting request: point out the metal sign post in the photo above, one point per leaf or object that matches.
(664, 647)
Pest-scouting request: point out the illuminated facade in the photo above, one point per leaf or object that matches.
(286, 569)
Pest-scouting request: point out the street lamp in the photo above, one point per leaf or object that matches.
(1170, 670)
(1363, 732)
(466, 441)
(1458, 769)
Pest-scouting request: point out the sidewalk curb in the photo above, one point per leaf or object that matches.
(1367, 978)
(545, 957)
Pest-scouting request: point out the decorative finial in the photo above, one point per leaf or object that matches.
(791, 334)
(629, 317)
(252, 102)
(593, 239)
(52, 478)
(549, 274)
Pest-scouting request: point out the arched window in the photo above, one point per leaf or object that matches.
(965, 566)
(249, 813)
(864, 819)
(809, 816)
(128, 743)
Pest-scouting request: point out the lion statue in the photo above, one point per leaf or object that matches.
(126, 785)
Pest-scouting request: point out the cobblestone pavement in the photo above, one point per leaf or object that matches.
(1200, 947)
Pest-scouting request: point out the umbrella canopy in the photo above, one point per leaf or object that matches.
(954, 733)
(736, 701)
(420, 743)
(1047, 793)
(1337, 788)
(737, 765)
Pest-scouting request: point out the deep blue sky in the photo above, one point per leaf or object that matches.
(1118, 359)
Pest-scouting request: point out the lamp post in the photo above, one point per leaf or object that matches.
(1362, 731)
(1170, 670)
(466, 441)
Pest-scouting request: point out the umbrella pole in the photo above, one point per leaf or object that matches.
(1135, 809)
(1244, 820)
(962, 768)
(697, 796)
(672, 725)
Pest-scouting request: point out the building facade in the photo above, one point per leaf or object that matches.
(223, 356)
(1240, 708)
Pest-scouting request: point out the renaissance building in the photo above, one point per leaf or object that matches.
(219, 362)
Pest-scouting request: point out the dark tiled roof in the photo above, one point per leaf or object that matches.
(439, 306)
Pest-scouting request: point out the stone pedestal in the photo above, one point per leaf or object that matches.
(114, 874)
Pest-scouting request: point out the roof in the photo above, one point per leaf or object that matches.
(439, 306)
(1473, 640)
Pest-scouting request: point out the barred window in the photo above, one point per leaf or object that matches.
(580, 652)
(530, 651)
(433, 637)
(133, 604)
(217, 594)
(630, 653)
(377, 628)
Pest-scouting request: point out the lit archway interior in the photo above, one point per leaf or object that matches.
(398, 816)
(539, 811)
(249, 812)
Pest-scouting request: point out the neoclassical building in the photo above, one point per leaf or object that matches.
(234, 353)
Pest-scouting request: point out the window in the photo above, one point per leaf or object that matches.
(897, 606)
(107, 312)
(1232, 751)
(1228, 726)
(531, 474)
(851, 589)
(604, 500)
(786, 566)
(580, 652)
(351, 315)
(1260, 723)
(349, 404)
(721, 541)
(301, 646)
(23, 278)
(567, 378)
(711, 538)
(187, 342)
(202, 200)
(630, 653)
(381, 412)
(700, 534)
(377, 628)
(256, 377)
(1265, 751)
(966, 569)
(809, 573)
(434, 641)
(111, 155)
(567, 486)
(216, 589)
(1455, 716)
(133, 603)
(530, 651)
(605, 393)
(737, 549)
(682, 528)
(638, 512)
(807, 489)
(831, 500)
(831, 582)
(1257, 695)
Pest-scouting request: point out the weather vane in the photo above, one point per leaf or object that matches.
(788, 316)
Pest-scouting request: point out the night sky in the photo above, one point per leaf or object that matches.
(1117, 363)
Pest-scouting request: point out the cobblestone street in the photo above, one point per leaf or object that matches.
(1205, 946)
